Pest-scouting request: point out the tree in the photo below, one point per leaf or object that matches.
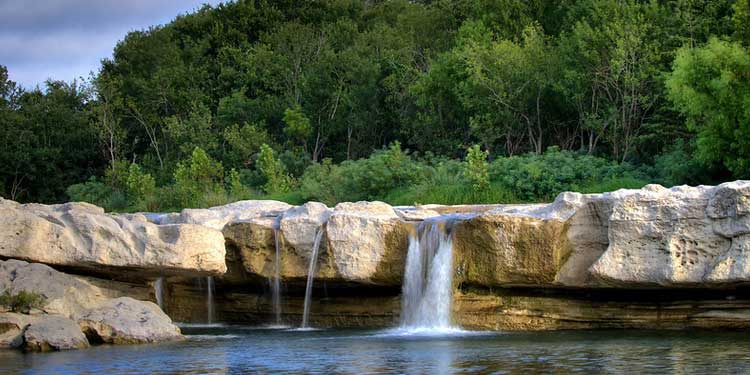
(611, 73)
(277, 180)
(297, 126)
(710, 86)
(505, 87)
(196, 176)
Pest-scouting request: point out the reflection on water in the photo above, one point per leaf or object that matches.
(239, 350)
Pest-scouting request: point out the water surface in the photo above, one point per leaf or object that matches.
(241, 350)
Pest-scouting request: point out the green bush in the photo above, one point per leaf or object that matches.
(274, 171)
(477, 170)
(365, 179)
(541, 177)
(22, 302)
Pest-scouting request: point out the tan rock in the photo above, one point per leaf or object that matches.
(128, 321)
(367, 242)
(53, 332)
(217, 217)
(81, 235)
(12, 327)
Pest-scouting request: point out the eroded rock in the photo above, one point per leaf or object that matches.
(53, 332)
(128, 321)
(82, 236)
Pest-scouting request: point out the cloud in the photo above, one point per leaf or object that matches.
(66, 39)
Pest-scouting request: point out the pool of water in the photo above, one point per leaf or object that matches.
(242, 350)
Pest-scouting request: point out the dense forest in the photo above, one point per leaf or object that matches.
(445, 101)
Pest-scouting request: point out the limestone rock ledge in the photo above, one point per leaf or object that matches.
(82, 236)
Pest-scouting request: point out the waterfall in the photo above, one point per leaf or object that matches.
(311, 276)
(428, 279)
(159, 292)
(276, 282)
(210, 298)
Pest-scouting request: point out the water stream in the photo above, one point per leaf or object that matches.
(210, 299)
(310, 277)
(427, 288)
(159, 292)
(276, 282)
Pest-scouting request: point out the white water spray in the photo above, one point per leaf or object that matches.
(210, 298)
(159, 292)
(311, 276)
(428, 279)
(276, 282)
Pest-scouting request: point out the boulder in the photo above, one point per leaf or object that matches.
(82, 236)
(63, 294)
(367, 242)
(299, 225)
(53, 332)
(125, 320)
(683, 236)
(218, 217)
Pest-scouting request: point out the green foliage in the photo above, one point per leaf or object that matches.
(338, 80)
(710, 86)
(364, 179)
(140, 186)
(22, 302)
(297, 125)
(196, 177)
(477, 169)
(541, 177)
(277, 179)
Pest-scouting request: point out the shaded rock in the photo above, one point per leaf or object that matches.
(128, 321)
(53, 332)
(218, 217)
(12, 327)
(499, 249)
(82, 236)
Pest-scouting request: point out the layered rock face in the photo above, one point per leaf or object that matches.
(80, 235)
(650, 258)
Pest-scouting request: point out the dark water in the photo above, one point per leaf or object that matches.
(238, 350)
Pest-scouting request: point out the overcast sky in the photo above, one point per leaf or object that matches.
(66, 39)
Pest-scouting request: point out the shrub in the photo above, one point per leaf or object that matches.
(365, 179)
(277, 180)
(197, 176)
(477, 170)
(141, 186)
(541, 177)
(22, 302)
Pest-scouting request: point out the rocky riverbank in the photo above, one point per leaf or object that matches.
(647, 258)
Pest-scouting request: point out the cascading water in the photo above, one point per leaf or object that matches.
(210, 298)
(311, 276)
(276, 282)
(159, 292)
(428, 279)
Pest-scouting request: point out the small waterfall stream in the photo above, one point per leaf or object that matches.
(210, 298)
(159, 292)
(310, 277)
(428, 278)
(276, 282)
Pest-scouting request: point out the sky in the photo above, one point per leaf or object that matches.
(67, 39)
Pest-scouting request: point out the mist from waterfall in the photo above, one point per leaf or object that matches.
(210, 299)
(428, 279)
(276, 281)
(159, 292)
(311, 276)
